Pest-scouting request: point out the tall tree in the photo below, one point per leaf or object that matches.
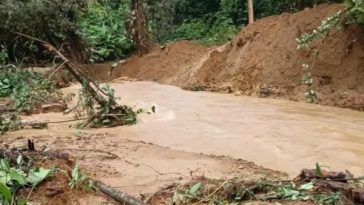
(251, 11)
(138, 30)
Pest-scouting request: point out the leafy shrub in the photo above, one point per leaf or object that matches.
(192, 30)
(27, 90)
(355, 9)
(218, 32)
(103, 27)
(49, 20)
(13, 178)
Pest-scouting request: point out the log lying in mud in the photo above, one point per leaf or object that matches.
(118, 196)
(309, 174)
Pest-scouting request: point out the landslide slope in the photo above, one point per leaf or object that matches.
(263, 60)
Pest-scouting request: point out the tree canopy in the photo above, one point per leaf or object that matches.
(97, 31)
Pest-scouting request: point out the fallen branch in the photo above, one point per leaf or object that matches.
(79, 75)
(117, 195)
(105, 100)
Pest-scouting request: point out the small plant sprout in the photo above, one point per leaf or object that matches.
(77, 178)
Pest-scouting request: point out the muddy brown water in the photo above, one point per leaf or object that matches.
(276, 134)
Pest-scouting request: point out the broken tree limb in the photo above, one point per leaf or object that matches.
(79, 75)
(105, 100)
(117, 195)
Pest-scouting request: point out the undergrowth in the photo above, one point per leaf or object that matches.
(27, 90)
(219, 32)
(236, 190)
(18, 176)
(103, 28)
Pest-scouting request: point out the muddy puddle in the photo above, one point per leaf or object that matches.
(276, 134)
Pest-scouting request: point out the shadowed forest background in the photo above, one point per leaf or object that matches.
(97, 31)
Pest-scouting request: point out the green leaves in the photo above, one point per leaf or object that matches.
(318, 170)
(194, 190)
(180, 197)
(37, 175)
(11, 179)
(289, 192)
(306, 187)
(27, 90)
(5, 192)
(103, 27)
(355, 10)
(18, 176)
(77, 178)
(306, 39)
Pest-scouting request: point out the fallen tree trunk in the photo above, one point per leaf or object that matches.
(117, 195)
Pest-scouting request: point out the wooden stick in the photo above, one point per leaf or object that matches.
(117, 195)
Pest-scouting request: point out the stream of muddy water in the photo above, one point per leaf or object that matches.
(276, 134)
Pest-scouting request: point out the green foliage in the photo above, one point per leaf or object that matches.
(219, 32)
(13, 178)
(77, 178)
(329, 199)
(289, 192)
(27, 90)
(211, 22)
(353, 13)
(102, 25)
(9, 122)
(236, 191)
(110, 114)
(306, 39)
(49, 20)
(318, 170)
(307, 80)
(355, 9)
(187, 196)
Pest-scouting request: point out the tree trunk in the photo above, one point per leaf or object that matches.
(251, 11)
(138, 28)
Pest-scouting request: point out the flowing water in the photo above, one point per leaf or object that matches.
(277, 134)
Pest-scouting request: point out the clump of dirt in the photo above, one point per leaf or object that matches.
(263, 61)
(169, 64)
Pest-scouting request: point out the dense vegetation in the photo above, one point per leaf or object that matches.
(97, 30)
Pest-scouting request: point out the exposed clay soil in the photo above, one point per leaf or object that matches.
(263, 61)
(171, 64)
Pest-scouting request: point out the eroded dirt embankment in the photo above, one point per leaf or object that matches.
(263, 61)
